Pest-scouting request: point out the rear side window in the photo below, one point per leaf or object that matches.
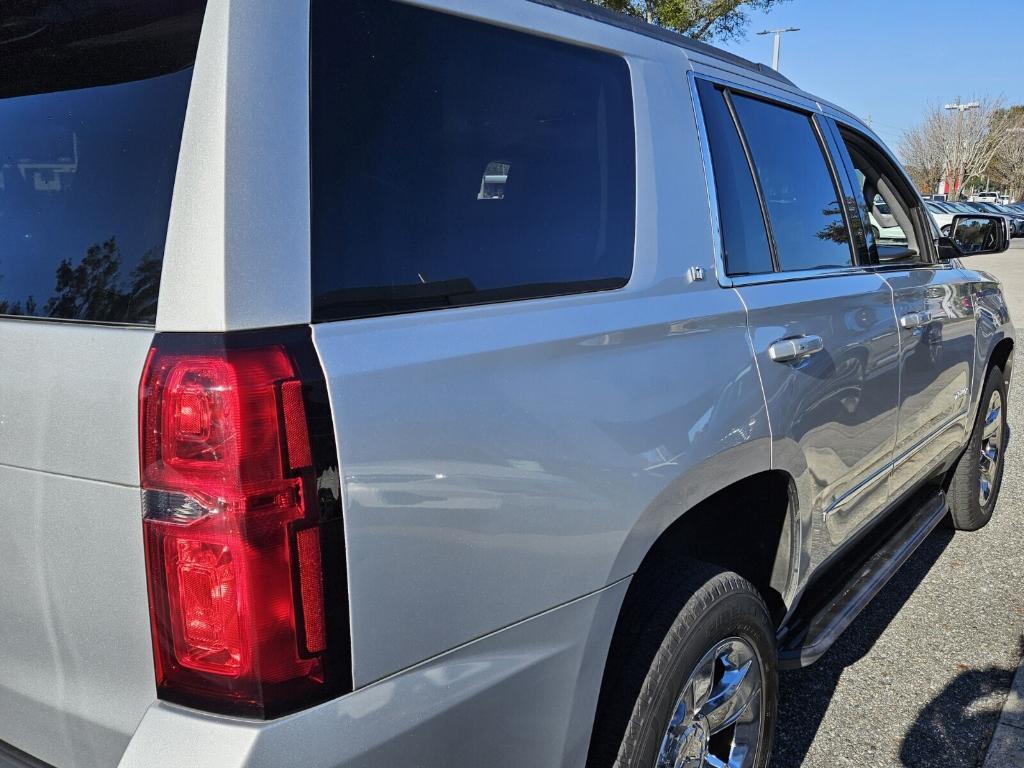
(799, 192)
(744, 239)
(90, 125)
(456, 162)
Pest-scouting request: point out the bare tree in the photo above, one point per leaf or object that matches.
(960, 144)
(699, 19)
(1007, 167)
(921, 151)
(1010, 168)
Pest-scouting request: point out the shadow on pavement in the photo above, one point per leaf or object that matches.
(938, 735)
(804, 694)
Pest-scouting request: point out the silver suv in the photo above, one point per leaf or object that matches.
(453, 383)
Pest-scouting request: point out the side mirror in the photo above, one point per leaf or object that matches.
(974, 234)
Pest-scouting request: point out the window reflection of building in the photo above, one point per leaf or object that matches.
(48, 176)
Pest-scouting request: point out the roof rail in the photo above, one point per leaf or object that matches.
(597, 13)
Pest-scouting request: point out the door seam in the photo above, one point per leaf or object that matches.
(760, 380)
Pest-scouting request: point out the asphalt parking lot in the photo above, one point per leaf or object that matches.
(921, 676)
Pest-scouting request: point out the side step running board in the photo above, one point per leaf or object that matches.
(833, 604)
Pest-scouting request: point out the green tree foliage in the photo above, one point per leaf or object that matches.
(15, 307)
(93, 288)
(700, 19)
(90, 288)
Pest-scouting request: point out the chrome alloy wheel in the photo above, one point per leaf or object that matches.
(717, 719)
(991, 448)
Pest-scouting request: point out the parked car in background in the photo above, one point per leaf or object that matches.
(942, 215)
(454, 384)
(1015, 221)
(985, 197)
(884, 226)
(1017, 217)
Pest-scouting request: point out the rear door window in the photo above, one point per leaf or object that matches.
(800, 194)
(90, 128)
(455, 162)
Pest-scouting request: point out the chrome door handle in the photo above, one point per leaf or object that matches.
(785, 350)
(915, 320)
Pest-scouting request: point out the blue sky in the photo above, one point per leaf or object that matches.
(891, 59)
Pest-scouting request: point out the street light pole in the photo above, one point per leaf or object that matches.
(777, 45)
(959, 169)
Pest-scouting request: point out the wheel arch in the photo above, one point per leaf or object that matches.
(1001, 357)
(763, 507)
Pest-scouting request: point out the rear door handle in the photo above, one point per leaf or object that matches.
(785, 350)
(915, 320)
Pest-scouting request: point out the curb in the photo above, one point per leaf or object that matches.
(1006, 750)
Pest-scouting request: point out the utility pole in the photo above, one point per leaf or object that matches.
(959, 169)
(776, 47)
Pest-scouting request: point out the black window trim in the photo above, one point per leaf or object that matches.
(766, 220)
(863, 241)
(815, 115)
(77, 321)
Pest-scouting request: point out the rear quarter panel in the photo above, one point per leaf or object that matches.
(501, 460)
(76, 669)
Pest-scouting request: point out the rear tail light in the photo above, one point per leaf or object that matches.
(241, 513)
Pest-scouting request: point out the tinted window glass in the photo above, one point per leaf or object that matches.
(85, 193)
(744, 238)
(456, 162)
(803, 205)
(91, 114)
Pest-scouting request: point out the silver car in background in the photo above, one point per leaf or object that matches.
(453, 383)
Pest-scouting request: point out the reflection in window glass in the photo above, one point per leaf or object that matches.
(85, 195)
(456, 162)
(803, 206)
(492, 186)
(744, 239)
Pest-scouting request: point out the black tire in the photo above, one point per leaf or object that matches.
(967, 512)
(658, 644)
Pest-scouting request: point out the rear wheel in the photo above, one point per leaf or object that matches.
(696, 680)
(978, 475)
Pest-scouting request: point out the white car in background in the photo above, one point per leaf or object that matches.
(942, 214)
(884, 226)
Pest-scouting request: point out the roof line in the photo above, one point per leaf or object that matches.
(603, 15)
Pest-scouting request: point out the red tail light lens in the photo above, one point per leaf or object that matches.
(236, 532)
